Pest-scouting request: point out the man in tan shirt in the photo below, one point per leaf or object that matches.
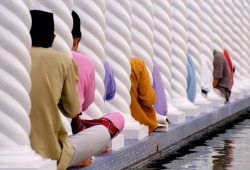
(54, 78)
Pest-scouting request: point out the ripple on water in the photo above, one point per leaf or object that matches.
(227, 147)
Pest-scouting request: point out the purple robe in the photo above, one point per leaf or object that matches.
(109, 82)
(161, 99)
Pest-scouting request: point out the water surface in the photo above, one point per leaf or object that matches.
(227, 147)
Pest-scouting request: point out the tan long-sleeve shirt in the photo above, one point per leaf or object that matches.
(54, 78)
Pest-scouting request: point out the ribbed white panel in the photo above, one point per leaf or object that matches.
(15, 81)
(91, 13)
(62, 19)
(207, 44)
(239, 56)
(141, 31)
(15, 85)
(245, 42)
(179, 50)
(228, 32)
(237, 29)
(117, 48)
(218, 26)
(194, 49)
(247, 28)
(194, 45)
(179, 59)
(228, 41)
(207, 34)
(163, 51)
(162, 42)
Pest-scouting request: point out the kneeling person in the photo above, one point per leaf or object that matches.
(54, 78)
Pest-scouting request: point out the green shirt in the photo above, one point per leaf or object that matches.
(54, 78)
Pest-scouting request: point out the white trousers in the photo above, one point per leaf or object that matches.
(89, 142)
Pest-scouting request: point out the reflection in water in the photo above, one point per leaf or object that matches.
(226, 147)
(222, 159)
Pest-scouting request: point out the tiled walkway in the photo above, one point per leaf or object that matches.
(137, 151)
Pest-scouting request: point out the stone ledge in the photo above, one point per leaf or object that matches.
(136, 151)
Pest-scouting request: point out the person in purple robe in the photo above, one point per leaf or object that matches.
(161, 99)
(109, 82)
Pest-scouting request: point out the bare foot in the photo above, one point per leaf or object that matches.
(84, 163)
(106, 149)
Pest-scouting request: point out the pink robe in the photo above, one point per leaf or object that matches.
(86, 82)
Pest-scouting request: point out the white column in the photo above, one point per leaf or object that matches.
(194, 49)
(218, 25)
(179, 60)
(91, 13)
(162, 52)
(15, 85)
(207, 46)
(245, 44)
(237, 47)
(247, 15)
(228, 41)
(117, 48)
(141, 32)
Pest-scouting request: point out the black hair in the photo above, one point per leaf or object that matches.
(42, 28)
(76, 30)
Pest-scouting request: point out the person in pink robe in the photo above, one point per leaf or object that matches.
(86, 82)
(93, 141)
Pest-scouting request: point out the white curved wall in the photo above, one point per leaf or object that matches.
(15, 85)
(142, 31)
(218, 24)
(162, 42)
(117, 48)
(92, 45)
(194, 49)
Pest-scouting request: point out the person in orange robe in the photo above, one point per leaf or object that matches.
(142, 95)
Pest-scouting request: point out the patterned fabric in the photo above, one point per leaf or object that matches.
(79, 124)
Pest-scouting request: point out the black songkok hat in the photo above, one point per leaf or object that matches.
(42, 29)
(76, 30)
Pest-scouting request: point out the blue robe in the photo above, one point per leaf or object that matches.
(191, 79)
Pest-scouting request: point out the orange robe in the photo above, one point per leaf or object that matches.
(142, 95)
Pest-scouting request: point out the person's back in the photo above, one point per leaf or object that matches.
(109, 82)
(158, 86)
(221, 74)
(191, 79)
(53, 77)
(142, 95)
(86, 83)
(52, 73)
